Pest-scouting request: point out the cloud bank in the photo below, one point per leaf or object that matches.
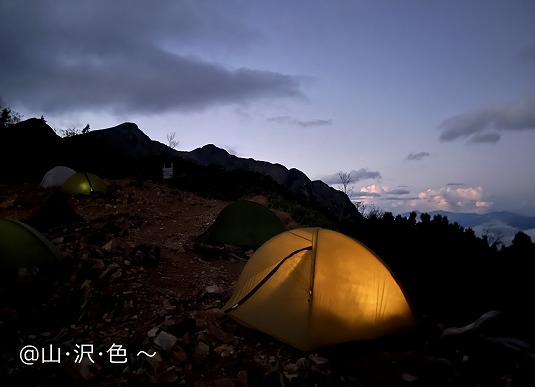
(127, 57)
(455, 199)
(355, 175)
(449, 198)
(482, 125)
(303, 124)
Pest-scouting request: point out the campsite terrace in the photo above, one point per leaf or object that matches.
(133, 285)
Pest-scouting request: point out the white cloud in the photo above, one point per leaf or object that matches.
(449, 198)
(454, 199)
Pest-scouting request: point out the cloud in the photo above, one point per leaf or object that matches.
(417, 156)
(355, 175)
(449, 198)
(373, 190)
(398, 191)
(400, 199)
(483, 123)
(485, 138)
(455, 199)
(304, 124)
(116, 56)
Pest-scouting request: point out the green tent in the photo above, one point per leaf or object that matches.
(84, 183)
(243, 223)
(23, 246)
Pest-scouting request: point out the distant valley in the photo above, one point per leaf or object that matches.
(500, 227)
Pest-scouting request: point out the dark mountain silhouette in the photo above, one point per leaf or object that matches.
(316, 192)
(27, 150)
(31, 148)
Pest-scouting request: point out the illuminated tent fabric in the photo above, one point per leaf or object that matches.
(56, 176)
(243, 223)
(314, 287)
(85, 183)
(23, 246)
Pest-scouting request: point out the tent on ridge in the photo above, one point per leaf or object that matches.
(56, 176)
(243, 223)
(84, 183)
(23, 246)
(313, 287)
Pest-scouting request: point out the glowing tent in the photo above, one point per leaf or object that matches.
(85, 183)
(56, 176)
(243, 223)
(23, 246)
(313, 287)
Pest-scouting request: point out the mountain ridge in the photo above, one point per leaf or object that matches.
(125, 148)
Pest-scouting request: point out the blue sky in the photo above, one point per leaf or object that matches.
(429, 104)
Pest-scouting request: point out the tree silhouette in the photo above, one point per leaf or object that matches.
(171, 140)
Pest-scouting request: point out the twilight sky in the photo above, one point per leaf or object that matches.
(428, 104)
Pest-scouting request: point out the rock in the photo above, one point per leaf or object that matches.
(98, 264)
(152, 332)
(225, 350)
(155, 361)
(201, 351)
(408, 377)
(179, 355)
(317, 359)
(213, 289)
(146, 254)
(110, 269)
(165, 341)
(9, 202)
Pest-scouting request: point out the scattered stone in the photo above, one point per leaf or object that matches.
(408, 377)
(179, 355)
(9, 202)
(165, 341)
(213, 289)
(155, 361)
(317, 359)
(153, 331)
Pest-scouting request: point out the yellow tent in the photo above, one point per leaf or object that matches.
(313, 287)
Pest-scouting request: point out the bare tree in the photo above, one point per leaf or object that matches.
(171, 140)
(345, 180)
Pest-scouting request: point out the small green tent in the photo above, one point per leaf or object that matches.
(23, 246)
(84, 183)
(243, 223)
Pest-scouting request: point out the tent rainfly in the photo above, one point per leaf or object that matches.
(23, 246)
(243, 223)
(84, 183)
(313, 287)
(56, 176)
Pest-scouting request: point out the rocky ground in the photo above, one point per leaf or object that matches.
(135, 303)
